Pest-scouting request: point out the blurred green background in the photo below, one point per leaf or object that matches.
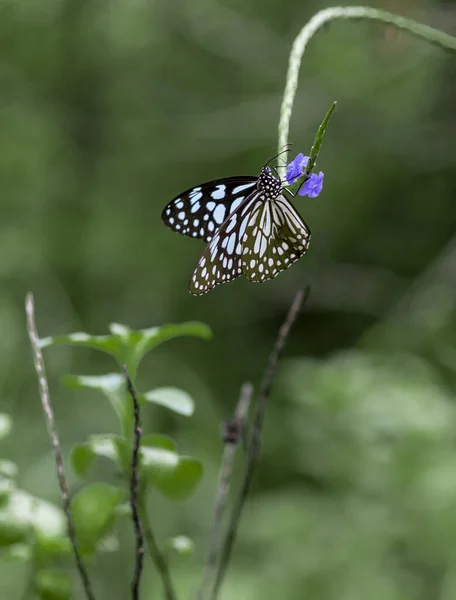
(107, 111)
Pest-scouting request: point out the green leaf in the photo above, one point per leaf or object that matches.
(112, 385)
(109, 446)
(53, 584)
(52, 548)
(158, 462)
(173, 398)
(186, 477)
(177, 482)
(5, 425)
(13, 530)
(172, 475)
(107, 384)
(24, 514)
(159, 440)
(128, 346)
(145, 340)
(105, 343)
(81, 459)
(94, 513)
(181, 544)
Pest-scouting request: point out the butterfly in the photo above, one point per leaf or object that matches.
(250, 225)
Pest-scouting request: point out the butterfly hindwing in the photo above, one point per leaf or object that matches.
(275, 237)
(222, 259)
(200, 211)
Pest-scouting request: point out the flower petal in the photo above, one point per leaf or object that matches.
(313, 186)
(296, 168)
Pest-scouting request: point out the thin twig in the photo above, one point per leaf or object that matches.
(134, 489)
(252, 451)
(156, 554)
(52, 431)
(233, 433)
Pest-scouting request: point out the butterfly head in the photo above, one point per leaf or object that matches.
(268, 184)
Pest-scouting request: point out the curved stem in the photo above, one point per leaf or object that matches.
(157, 556)
(434, 36)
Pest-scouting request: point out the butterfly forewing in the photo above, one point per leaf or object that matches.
(222, 259)
(200, 211)
(275, 237)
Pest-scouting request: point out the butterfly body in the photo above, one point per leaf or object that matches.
(251, 227)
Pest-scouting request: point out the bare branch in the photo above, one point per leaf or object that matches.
(134, 489)
(252, 451)
(50, 423)
(233, 431)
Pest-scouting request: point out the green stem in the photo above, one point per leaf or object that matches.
(155, 553)
(434, 36)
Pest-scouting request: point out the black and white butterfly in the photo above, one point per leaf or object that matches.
(251, 227)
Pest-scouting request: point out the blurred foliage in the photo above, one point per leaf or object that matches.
(108, 111)
(39, 529)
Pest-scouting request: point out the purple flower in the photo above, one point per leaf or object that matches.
(312, 186)
(296, 168)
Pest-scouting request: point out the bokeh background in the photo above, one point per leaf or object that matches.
(107, 111)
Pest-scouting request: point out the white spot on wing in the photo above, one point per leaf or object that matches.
(245, 186)
(219, 214)
(236, 204)
(219, 192)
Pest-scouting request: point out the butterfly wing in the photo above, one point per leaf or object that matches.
(200, 211)
(275, 237)
(222, 259)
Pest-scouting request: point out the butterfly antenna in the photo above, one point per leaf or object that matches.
(277, 173)
(286, 149)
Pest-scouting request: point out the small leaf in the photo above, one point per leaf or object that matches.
(107, 445)
(94, 513)
(107, 384)
(53, 584)
(146, 339)
(158, 463)
(23, 513)
(52, 548)
(5, 425)
(179, 482)
(174, 476)
(112, 385)
(105, 343)
(128, 346)
(181, 544)
(81, 459)
(159, 441)
(12, 529)
(173, 398)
